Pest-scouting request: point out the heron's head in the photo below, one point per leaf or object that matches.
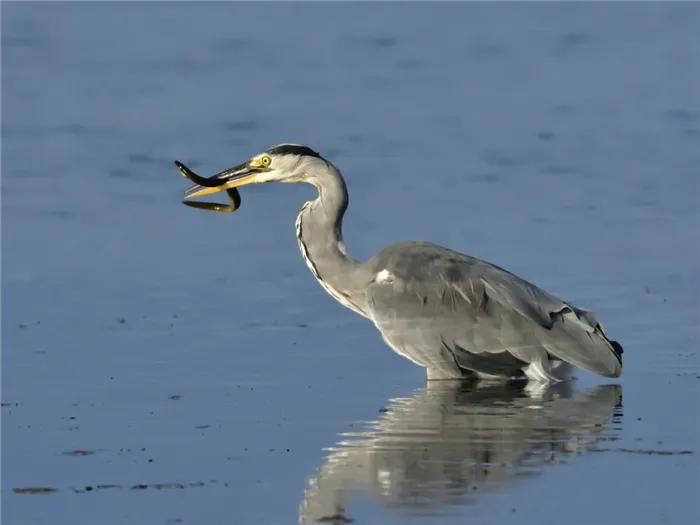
(282, 163)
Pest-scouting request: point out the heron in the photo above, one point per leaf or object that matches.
(455, 315)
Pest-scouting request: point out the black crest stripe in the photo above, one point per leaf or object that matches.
(293, 149)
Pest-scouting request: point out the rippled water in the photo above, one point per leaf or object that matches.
(167, 365)
(450, 445)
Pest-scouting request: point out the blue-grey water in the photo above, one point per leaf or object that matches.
(166, 365)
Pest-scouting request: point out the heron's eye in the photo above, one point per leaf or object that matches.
(265, 161)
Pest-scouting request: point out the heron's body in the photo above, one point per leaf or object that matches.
(453, 314)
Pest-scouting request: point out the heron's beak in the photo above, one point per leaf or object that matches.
(240, 175)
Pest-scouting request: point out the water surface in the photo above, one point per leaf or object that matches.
(167, 365)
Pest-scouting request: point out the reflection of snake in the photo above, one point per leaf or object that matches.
(211, 182)
(451, 442)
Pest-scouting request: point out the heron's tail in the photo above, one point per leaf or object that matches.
(617, 348)
(580, 339)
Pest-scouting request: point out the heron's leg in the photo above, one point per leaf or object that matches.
(548, 371)
(492, 378)
(562, 370)
(438, 374)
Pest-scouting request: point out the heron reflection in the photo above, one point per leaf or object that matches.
(451, 442)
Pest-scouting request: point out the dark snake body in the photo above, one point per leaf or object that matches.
(211, 182)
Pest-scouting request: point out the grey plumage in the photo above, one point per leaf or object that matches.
(451, 313)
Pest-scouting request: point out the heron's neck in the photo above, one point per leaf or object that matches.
(320, 236)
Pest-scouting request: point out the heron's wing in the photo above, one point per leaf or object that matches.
(435, 305)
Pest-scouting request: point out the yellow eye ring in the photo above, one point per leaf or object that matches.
(265, 161)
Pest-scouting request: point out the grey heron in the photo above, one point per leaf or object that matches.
(455, 315)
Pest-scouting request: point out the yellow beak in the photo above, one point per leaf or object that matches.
(199, 191)
(241, 175)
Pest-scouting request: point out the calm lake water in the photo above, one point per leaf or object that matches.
(164, 365)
